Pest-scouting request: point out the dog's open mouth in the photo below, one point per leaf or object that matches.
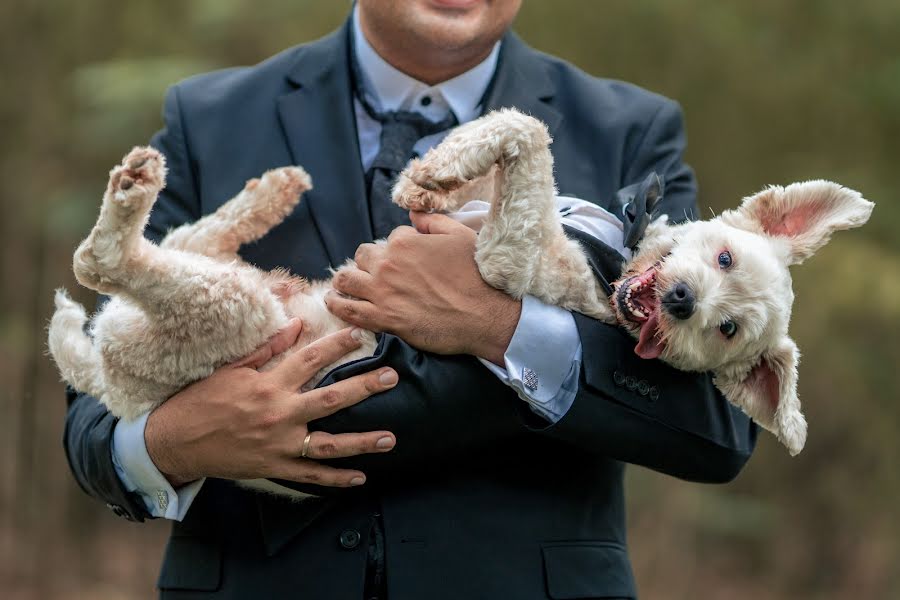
(638, 303)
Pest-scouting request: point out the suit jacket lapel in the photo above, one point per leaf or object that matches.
(522, 82)
(320, 127)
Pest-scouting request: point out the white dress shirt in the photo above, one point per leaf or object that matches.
(543, 360)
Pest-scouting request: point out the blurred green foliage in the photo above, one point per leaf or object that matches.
(773, 92)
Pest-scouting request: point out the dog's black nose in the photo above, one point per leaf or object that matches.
(679, 301)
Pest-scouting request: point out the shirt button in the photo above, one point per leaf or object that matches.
(654, 393)
(425, 101)
(350, 539)
(630, 382)
(618, 377)
(643, 388)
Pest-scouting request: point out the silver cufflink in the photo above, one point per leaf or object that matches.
(162, 498)
(530, 379)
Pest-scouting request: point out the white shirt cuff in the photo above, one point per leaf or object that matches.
(138, 474)
(543, 360)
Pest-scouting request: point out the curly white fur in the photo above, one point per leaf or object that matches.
(181, 309)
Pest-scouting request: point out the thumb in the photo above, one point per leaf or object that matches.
(275, 345)
(435, 223)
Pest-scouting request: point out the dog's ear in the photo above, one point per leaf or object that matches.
(768, 393)
(802, 216)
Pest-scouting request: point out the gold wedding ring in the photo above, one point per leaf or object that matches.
(305, 445)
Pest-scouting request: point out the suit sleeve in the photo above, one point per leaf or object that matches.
(633, 410)
(89, 426)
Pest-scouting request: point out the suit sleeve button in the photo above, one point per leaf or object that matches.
(350, 539)
(654, 393)
(618, 377)
(630, 382)
(643, 388)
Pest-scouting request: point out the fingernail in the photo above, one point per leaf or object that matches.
(388, 377)
(358, 334)
(357, 481)
(385, 443)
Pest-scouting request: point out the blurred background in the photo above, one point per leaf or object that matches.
(773, 91)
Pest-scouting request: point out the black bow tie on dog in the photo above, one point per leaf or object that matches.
(639, 202)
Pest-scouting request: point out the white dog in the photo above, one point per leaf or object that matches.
(703, 296)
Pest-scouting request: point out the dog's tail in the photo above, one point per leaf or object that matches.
(73, 351)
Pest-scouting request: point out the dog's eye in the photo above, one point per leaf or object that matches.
(725, 259)
(728, 328)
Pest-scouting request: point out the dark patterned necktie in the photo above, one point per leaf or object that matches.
(400, 130)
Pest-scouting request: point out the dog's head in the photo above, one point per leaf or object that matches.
(716, 295)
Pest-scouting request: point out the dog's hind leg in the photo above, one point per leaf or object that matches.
(260, 206)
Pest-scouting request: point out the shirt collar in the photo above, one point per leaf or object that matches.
(391, 89)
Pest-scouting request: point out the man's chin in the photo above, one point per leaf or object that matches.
(456, 6)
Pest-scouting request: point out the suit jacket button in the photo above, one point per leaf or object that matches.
(630, 382)
(350, 539)
(654, 393)
(643, 388)
(618, 377)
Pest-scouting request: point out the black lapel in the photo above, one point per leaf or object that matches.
(522, 82)
(320, 127)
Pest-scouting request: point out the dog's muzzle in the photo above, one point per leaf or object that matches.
(679, 301)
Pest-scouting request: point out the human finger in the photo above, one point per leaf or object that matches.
(275, 345)
(298, 368)
(304, 470)
(367, 256)
(323, 446)
(436, 223)
(353, 282)
(324, 401)
(401, 231)
(361, 313)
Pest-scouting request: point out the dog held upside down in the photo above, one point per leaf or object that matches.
(703, 296)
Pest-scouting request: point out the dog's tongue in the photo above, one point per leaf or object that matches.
(649, 345)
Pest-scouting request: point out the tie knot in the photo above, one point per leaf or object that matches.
(400, 130)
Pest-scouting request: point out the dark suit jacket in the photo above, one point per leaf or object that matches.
(480, 499)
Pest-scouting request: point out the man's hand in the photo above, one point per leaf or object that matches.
(424, 286)
(239, 423)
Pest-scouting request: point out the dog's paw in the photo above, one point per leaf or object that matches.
(420, 187)
(288, 182)
(278, 190)
(411, 196)
(135, 183)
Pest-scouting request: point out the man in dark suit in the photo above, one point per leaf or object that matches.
(492, 491)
